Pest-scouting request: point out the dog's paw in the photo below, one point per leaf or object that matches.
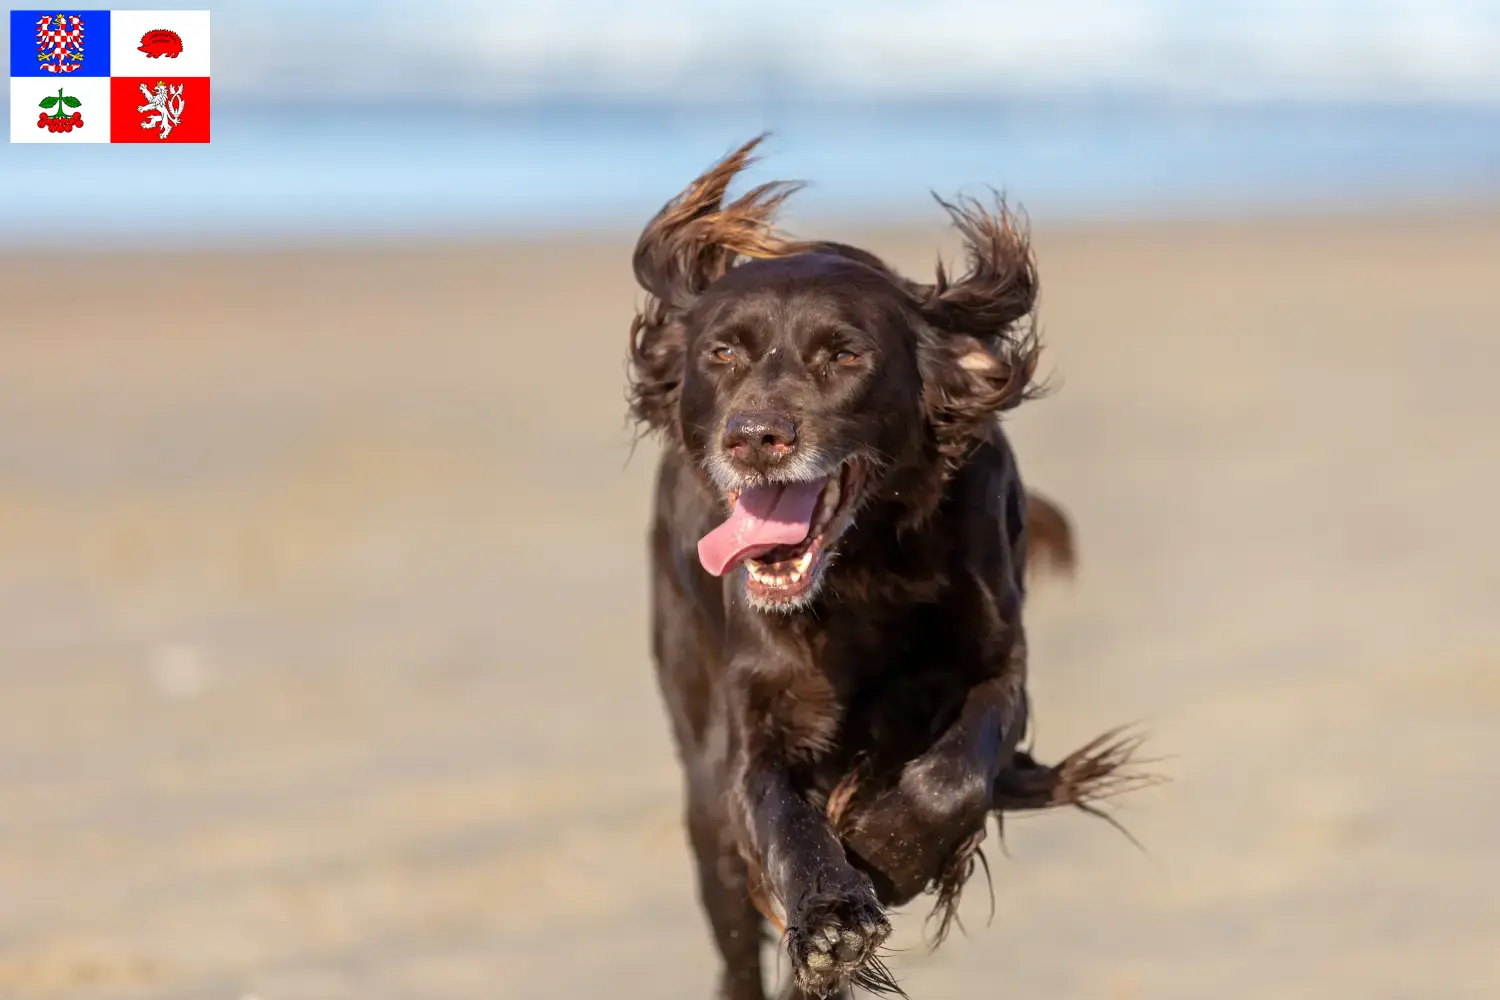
(834, 937)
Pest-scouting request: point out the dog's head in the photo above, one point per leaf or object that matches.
(810, 382)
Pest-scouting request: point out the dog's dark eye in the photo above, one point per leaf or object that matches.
(723, 354)
(844, 357)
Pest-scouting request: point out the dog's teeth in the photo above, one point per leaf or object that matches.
(785, 574)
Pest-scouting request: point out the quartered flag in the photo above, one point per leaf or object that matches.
(110, 76)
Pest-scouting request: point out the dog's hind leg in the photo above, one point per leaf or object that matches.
(725, 894)
(1102, 769)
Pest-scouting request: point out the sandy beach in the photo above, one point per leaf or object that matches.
(287, 542)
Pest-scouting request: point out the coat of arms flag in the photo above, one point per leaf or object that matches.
(109, 76)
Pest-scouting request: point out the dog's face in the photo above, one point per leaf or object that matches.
(810, 382)
(800, 392)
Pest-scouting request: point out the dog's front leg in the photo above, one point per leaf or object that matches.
(922, 829)
(834, 922)
(950, 786)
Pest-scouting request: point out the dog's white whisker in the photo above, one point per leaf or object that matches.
(804, 467)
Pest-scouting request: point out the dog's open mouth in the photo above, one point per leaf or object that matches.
(782, 533)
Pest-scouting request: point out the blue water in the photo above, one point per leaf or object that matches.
(276, 173)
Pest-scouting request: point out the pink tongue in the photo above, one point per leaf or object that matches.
(763, 518)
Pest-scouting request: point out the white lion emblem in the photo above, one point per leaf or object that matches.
(167, 102)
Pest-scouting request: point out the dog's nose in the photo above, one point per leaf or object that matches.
(759, 439)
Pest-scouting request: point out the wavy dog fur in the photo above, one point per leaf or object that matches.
(846, 755)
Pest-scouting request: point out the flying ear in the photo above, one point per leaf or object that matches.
(979, 354)
(691, 243)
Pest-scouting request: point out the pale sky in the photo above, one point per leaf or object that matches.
(423, 50)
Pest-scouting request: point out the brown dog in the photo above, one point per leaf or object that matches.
(838, 564)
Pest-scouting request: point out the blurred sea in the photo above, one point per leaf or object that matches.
(355, 170)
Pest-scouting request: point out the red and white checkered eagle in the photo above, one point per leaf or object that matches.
(59, 42)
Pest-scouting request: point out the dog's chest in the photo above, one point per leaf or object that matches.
(887, 700)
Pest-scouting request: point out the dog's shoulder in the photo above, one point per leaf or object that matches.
(987, 494)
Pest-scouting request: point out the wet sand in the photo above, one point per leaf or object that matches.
(323, 651)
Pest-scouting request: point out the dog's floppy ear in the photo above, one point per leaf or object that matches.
(686, 247)
(979, 354)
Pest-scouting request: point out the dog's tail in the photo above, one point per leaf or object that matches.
(1049, 536)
